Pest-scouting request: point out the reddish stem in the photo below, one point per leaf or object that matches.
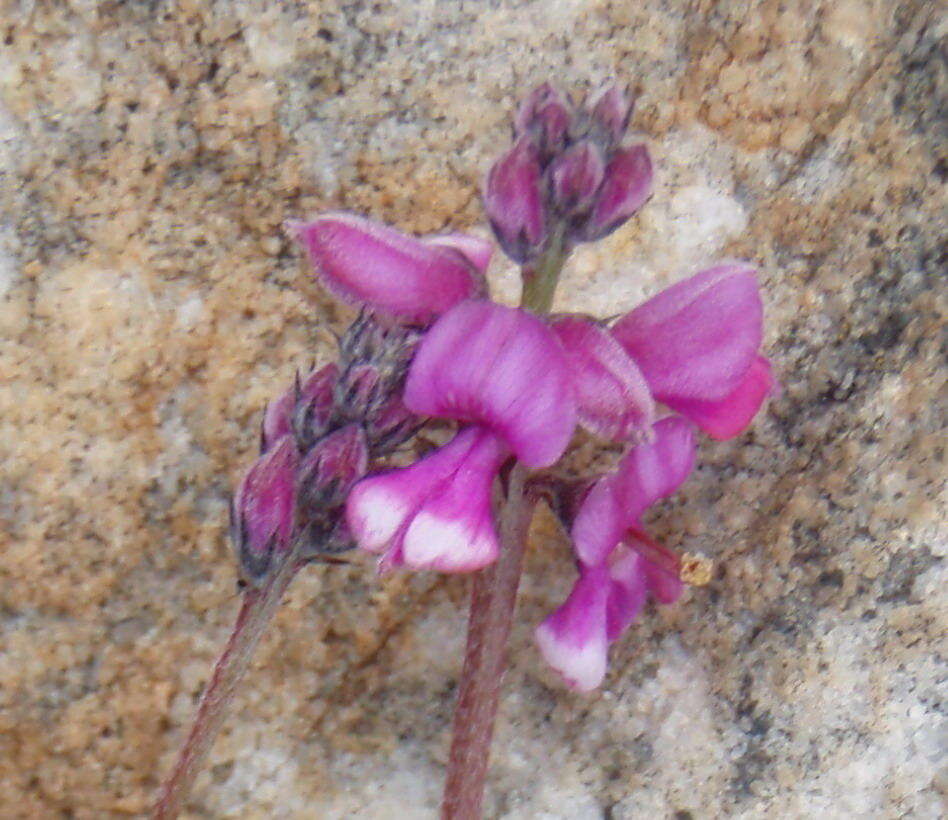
(256, 612)
(493, 599)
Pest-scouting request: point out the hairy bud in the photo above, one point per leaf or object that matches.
(263, 510)
(545, 117)
(513, 201)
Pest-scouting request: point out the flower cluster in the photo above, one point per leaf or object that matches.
(430, 344)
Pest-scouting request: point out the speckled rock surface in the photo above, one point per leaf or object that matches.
(149, 306)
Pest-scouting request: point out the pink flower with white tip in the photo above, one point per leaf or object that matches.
(618, 563)
(522, 382)
(502, 370)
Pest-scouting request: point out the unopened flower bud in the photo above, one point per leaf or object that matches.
(626, 186)
(373, 361)
(304, 409)
(544, 117)
(575, 176)
(328, 471)
(611, 109)
(390, 425)
(262, 510)
(326, 475)
(313, 408)
(514, 203)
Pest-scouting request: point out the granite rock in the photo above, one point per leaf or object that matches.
(150, 305)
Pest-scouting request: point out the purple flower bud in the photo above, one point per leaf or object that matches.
(278, 418)
(501, 368)
(436, 513)
(612, 398)
(330, 469)
(390, 425)
(575, 176)
(626, 185)
(397, 275)
(262, 510)
(611, 109)
(304, 409)
(545, 117)
(314, 405)
(513, 201)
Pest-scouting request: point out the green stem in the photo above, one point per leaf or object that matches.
(541, 276)
(256, 613)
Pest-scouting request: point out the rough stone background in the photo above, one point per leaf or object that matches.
(150, 305)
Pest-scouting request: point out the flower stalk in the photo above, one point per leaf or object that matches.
(494, 599)
(541, 276)
(256, 612)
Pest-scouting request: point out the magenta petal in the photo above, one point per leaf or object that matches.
(627, 183)
(697, 339)
(375, 266)
(627, 591)
(573, 639)
(500, 367)
(612, 398)
(727, 417)
(436, 513)
(513, 201)
(263, 508)
(646, 474)
(474, 249)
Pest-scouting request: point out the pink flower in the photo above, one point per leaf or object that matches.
(499, 367)
(436, 513)
(502, 370)
(618, 563)
(396, 275)
(696, 343)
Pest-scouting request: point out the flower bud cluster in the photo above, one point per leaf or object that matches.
(567, 174)
(316, 441)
